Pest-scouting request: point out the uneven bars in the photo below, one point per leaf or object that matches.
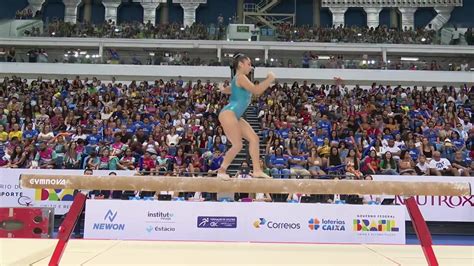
(306, 186)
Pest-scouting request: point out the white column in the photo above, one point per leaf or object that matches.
(316, 13)
(149, 9)
(164, 13)
(338, 15)
(87, 10)
(189, 9)
(372, 16)
(111, 9)
(266, 55)
(408, 17)
(35, 5)
(444, 14)
(384, 54)
(219, 54)
(70, 10)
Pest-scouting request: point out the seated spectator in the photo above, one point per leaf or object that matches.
(371, 163)
(215, 161)
(180, 163)
(45, 157)
(460, 164)
(406, 165)
(442, 166)
(388, 165)
(278, 164)
(352, 163)
(298, 164)
(316, 163)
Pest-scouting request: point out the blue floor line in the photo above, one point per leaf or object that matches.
(444, 240)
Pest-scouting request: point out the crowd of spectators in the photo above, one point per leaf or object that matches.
(354, 34)
(319, 131)
(27, 14)
(133, 30)
(172, 126)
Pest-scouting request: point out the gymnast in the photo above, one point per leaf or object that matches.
(230, 117)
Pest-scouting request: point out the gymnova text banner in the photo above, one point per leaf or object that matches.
(254, 222)
(12, 195)
(434, 208)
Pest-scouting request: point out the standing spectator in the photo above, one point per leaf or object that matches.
(11, 55)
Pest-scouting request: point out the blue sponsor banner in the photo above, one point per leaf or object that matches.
(216, 222)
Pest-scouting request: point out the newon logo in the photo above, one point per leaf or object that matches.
(109, 223)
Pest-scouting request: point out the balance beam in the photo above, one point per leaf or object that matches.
(206, 184)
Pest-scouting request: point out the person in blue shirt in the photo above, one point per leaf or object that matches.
(29, 132)
(325, 124)
(230, 117)
(298, 164)
(279, 165)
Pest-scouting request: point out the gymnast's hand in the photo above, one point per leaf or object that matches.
(271, 76)
(225, 89)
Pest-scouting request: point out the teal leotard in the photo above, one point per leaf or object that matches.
(239, 99)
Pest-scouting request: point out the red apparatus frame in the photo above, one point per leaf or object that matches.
(67, 226)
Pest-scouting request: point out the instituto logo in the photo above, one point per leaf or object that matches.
(375, 225)
(109, 224)
(326, 224)
(263, 223)
(163, 216)
(42, 181)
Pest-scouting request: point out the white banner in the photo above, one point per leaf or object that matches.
(12, 195)
(258, 221)
(434, 208)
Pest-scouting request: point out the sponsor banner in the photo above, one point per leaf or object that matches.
(258, 221)
(12, 195)
(434, 208)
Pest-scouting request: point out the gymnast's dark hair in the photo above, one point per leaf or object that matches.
(238, 57)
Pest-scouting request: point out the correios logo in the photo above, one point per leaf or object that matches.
(326, 224)
(259, 222)
(109, 224)
(263, 223)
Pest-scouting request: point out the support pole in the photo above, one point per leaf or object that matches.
(67, 227)
(421, 230)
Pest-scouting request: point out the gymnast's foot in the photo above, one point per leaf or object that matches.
(260, 174)
(221, 173)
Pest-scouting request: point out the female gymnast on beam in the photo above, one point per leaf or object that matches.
(235, 127)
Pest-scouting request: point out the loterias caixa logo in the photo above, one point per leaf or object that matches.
(326, 224)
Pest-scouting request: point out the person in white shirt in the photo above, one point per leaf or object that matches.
(422, 167)
(441, 166)
(394, 150)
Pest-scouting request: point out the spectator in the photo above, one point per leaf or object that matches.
(442, 166)
(298, 163)
(388, 164)
(278, 164)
